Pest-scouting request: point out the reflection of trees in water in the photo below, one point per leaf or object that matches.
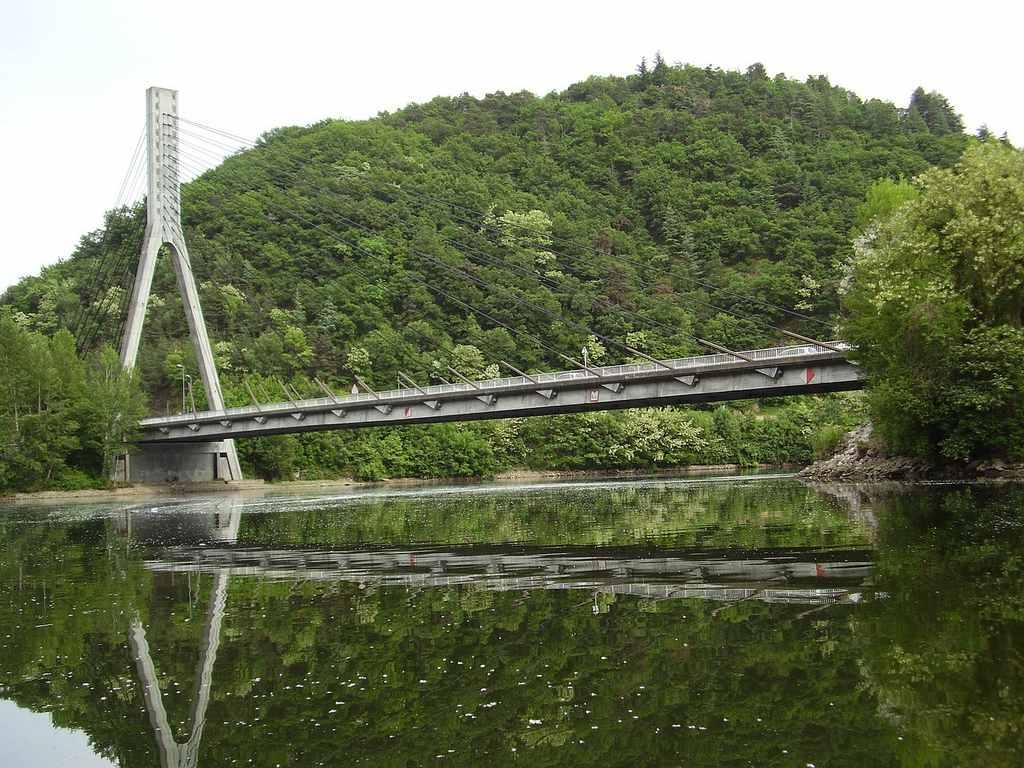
(816, 682)
(762, 514)
(953, 675)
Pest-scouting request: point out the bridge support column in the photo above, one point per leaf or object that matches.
(177, 463)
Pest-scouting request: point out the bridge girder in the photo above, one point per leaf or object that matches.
(522, 396)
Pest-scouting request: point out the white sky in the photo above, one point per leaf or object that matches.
(30, 739)
(73, 73)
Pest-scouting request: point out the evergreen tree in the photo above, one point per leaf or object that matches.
(935, 111)
(680, 246)
(643, 71)
(659, 73)
(756, 71)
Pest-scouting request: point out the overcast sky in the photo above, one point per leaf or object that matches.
(73, 74)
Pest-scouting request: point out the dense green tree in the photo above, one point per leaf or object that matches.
(605, 199)
(935, 112)
(62, 418)
(936, 307)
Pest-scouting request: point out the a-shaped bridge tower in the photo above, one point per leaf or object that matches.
(213, 460)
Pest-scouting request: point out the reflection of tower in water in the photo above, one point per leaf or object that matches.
(208, 521)
(217, 525)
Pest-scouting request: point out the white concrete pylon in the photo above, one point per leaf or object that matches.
(163, 227)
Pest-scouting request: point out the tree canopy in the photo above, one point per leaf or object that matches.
(62, 417)
(936, 306)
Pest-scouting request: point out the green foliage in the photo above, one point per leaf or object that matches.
(616, 193)
(936, 306)
(826, 439)
(657, 438)
(934, 111)
(62, 418)
(882, 198)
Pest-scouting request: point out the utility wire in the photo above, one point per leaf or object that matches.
(493, 289)
(131, 168)
(444, 346)
(125, 256)
(621, 310)
(483, 216)
(523, 302)
(108, 264)
(484, 224)
(407, 275)
(497, 261)
(128, 249)
(87, 296)
(91, 294)
(490, 287)
(638, 264)
(128, 288)
(211, 129)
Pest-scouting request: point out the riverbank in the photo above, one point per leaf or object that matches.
(138, 492)
(599, 474)
(860, 457)
(129, 492)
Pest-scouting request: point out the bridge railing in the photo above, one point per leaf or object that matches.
(770, 354)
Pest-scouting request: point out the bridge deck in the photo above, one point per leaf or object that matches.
(790, 370)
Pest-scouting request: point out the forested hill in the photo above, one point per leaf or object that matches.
(675, 203)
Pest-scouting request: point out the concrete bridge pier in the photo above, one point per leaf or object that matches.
(178, 463)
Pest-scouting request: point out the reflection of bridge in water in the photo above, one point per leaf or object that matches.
(805, 577)
(816, 578)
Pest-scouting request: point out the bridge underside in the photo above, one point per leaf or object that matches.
(823, 373)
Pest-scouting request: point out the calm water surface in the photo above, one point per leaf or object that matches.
(753, 622)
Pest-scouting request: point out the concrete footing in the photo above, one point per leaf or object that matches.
(177, 463)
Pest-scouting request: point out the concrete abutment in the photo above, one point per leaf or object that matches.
(178, 463)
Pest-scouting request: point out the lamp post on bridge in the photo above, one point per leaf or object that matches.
(185, 377)
(181, 368)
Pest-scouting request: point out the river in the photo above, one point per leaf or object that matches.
(741, 621)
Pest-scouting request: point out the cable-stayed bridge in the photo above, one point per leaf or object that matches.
(200, 445)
